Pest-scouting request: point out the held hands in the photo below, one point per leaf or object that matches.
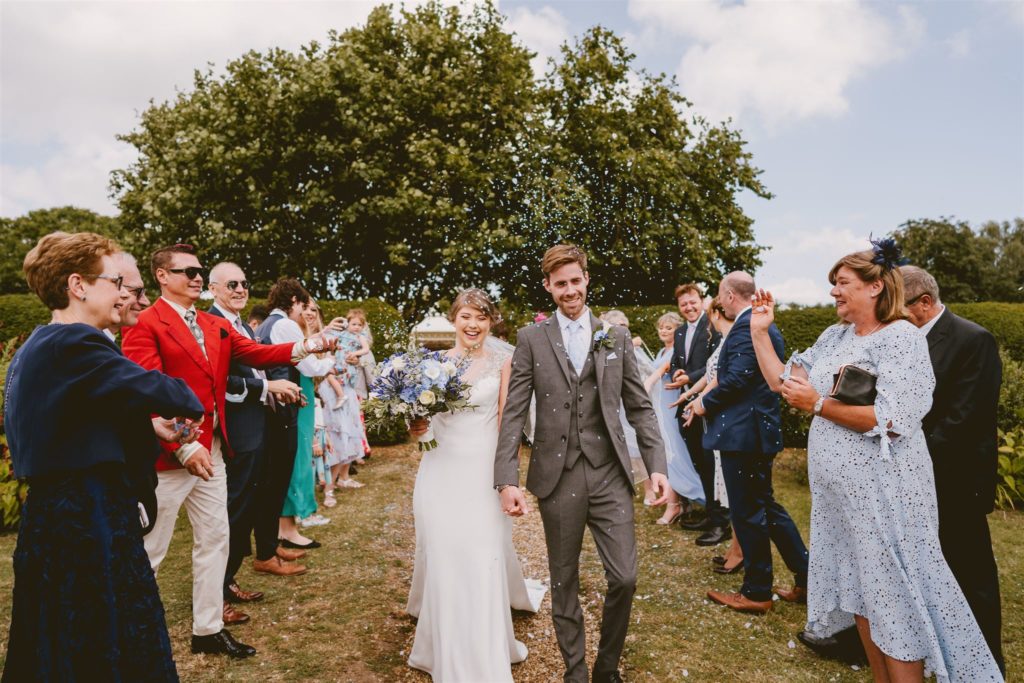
(799, 393)
(659, 482)
(697, 408)
(679, 380)
(200, 464)
(762, 312)
(513, 502)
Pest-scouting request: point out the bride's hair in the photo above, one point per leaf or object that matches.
(478, 299)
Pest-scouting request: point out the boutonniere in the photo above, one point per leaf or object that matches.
(603, 339)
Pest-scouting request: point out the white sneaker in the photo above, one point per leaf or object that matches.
(314, 520)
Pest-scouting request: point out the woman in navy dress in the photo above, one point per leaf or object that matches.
(86, 606)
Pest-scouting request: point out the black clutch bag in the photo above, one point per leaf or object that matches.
(854, 386)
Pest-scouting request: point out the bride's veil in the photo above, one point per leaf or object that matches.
(493, 344)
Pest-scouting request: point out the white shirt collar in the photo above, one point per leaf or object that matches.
(230, 316)
(564, 321)
(927, 327)
(180, 310)
(742, 312)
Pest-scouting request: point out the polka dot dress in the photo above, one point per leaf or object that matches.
(874, 525)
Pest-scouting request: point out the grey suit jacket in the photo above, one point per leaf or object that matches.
(540, 367)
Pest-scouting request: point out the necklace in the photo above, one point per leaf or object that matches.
(873, 330)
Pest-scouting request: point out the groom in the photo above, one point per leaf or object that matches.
(582, 375)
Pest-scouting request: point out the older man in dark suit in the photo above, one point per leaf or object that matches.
(961, 433)
(745, 424)
(692, 347)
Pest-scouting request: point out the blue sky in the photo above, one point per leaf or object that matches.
(862, 115)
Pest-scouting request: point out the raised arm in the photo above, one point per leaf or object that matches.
(762, 315)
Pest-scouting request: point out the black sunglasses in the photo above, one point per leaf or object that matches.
(233, 284)
(914, 300)
(191, 272)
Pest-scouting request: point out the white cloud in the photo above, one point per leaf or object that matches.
(796, 267)
(784, 61)
(959, 44)
(543, 31)
(798, 290)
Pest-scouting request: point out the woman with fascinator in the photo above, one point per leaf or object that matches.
(875, 558)
(467, 576)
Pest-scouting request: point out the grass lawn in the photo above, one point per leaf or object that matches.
(345, 620)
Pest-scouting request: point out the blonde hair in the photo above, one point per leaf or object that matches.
(670, 317)
(357, 313)
(58, 256)
(889, 305)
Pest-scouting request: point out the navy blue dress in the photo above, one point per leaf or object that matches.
(86, 606)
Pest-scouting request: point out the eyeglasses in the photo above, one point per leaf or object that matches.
(191, 272)
(137, 292)
(118, 280)
(913, 301)
(232, 285)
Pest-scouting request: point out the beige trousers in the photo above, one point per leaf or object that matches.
(206, 503)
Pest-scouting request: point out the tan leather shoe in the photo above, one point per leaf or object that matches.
(233, 617)
(794, 594)
(290, 555)
(275, 566)
(236, 594)
(740, 602)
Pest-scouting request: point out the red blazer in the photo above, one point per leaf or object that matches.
(162, 341)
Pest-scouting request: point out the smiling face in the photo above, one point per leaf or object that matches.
(178, 287)
(233, 300)
(568, 288)
(135, 304)
(471, 327)
(855, 299)
(667, 333)
(689, 306)
(104, 300)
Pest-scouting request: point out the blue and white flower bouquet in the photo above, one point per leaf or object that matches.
(417, 384)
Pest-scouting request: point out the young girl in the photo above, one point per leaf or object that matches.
(352, 346)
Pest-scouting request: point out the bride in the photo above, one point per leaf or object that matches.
(467, 575)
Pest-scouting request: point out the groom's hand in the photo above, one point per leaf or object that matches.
(513, 502)
(659, 482)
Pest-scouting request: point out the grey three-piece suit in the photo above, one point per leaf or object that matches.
(580, 471)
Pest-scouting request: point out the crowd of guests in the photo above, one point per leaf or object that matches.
(900, 568)
(200, 409)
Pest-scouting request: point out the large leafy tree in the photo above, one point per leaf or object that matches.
(416, 155)
(984, 264)
(19, 235)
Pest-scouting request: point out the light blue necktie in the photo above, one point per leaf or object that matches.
(577, 345)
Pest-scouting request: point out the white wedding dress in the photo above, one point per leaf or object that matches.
(467, 574)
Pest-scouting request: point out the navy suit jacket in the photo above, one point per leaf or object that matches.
(74, 401)
(246, 420)
(695, 364)
(743, 414)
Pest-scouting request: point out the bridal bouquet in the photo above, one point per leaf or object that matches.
(417, 384)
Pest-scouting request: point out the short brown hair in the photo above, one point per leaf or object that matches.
(562, 255)
(357, 313)
(889, 305)
(161, 258)
(688, 288)
(58, 256)
(283, 291)
(478, 299)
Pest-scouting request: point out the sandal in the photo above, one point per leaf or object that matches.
(665, 521)
(329, 500)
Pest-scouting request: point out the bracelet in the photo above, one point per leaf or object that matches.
(501, 487)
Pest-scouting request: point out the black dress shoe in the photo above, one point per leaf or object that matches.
(606, 677)
(295, 546)
(722, 569)
(714, 536)
(844, 646)
(221, 644)
(702, 524)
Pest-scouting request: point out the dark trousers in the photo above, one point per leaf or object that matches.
(758, 521)
(967, 547)
(704, 463)
(600, 498)
(244, 472)
(280, 444)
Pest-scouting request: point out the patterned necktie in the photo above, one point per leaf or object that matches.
(577, 345)
(190, 320)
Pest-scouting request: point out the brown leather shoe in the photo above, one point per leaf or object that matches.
(233, 617)
(290, 555)
(275, 566)
(740, 602)
(794, 594)
(236, 594)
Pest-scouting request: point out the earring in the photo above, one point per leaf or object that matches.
(83, 297)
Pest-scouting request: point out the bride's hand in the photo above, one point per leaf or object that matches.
(419, 427)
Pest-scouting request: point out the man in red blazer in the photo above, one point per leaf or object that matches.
(175, 338)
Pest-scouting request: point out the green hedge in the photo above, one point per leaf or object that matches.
(20, 314)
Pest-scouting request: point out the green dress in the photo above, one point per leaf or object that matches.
(301, 499)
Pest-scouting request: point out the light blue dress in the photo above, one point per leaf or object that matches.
(682, 477)
(344, 427)
(874, 523)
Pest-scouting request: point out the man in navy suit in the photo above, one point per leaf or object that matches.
(691, 349)
(745, 424)
(249, 397)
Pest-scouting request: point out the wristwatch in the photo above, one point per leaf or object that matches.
(818, 405)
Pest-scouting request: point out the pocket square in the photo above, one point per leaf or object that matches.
(611, 356)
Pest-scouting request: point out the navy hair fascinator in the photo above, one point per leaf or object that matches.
(887, 253)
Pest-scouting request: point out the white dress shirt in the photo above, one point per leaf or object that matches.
(288, 331)
(587, 332)
(927, 327)
(236, 322)
(691, 330)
